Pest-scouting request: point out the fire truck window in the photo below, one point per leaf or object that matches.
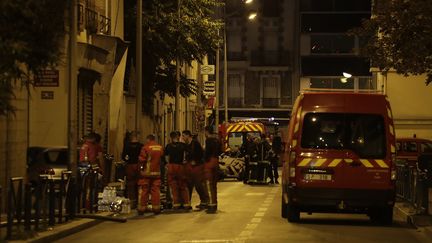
(426, 147)
(398, 146)
(362, 133)
(411, 147)
(235, 139)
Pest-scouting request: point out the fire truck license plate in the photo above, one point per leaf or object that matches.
(318, 177)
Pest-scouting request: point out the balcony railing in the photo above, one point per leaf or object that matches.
(236, 56)
(270, 58)
(240, 102)
(93, 21)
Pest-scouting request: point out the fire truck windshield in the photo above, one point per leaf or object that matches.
(363, 134)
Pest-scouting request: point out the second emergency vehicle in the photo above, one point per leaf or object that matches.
(339, 156)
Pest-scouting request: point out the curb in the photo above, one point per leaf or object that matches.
(411, 219)
(61, 233)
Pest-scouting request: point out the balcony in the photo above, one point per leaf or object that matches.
(239, 102)
(270, 58)
(93, 21)
(236, 56)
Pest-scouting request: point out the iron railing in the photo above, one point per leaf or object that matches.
(413, 182)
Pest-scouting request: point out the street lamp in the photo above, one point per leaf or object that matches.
(251, 16)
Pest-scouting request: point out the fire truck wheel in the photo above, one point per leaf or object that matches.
(386, 216)
(382, 215)
(293, 214)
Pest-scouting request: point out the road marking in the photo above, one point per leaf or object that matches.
(246, 233)
(259, 214)
(255, 194)
(251, 226)
(262, 209)
(256, 220)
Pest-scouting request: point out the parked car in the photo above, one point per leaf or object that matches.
(46, 161)
(409, 149)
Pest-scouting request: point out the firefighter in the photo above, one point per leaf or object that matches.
(277, 148)
(150, 175)
(211, 166)
(174, 154)
(195, 168)
(91, 151)
(249, 150)
(130, 155)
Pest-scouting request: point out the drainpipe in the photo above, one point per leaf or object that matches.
(73, 92)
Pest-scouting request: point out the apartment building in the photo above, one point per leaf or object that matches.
(260, 54)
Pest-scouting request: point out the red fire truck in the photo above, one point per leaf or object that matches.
(340, 156)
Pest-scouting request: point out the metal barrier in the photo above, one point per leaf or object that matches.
(14, 204)
(39, 206)
(412, 185)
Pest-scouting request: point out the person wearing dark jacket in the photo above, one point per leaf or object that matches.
(130, 155)
(174, 153)
(211, 166)
(195, 168)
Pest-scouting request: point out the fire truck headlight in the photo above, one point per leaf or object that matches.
(393, 175)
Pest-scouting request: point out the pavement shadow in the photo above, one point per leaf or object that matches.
(353, 222)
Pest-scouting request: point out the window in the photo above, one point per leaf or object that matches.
(426, 147)
(364, 134)
(332, 83)
(286, 89)
(411, 146)
(367, 83)
(330, 44)
(270, 8)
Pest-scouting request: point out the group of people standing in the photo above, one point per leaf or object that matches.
(188, 165)
(262, 148)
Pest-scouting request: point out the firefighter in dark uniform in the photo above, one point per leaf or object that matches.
(150, 175)
(211, 166)
(174, 153)
(130, 155)
(250, 151)
(195, 168)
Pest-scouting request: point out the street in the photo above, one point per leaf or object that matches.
(248, 214)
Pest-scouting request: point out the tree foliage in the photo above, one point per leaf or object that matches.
(30, 40)
(170, 31)
(399, 36)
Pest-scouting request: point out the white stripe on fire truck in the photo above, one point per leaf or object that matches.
(381, 163)
(391, 130)
(393, 149)
(304, 162)
(366, 163)
(335, 162)
(294, 143)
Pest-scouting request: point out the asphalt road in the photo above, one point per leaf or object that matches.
(248, 214)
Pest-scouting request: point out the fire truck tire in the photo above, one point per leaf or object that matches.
(382, 216)
(386, 216)
(293, 214)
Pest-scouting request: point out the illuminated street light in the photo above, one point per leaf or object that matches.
(347, 75)
(252, 15)
(344, 80)
(248, 1)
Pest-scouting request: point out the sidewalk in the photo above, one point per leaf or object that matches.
(59, 231)
(407, 213)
